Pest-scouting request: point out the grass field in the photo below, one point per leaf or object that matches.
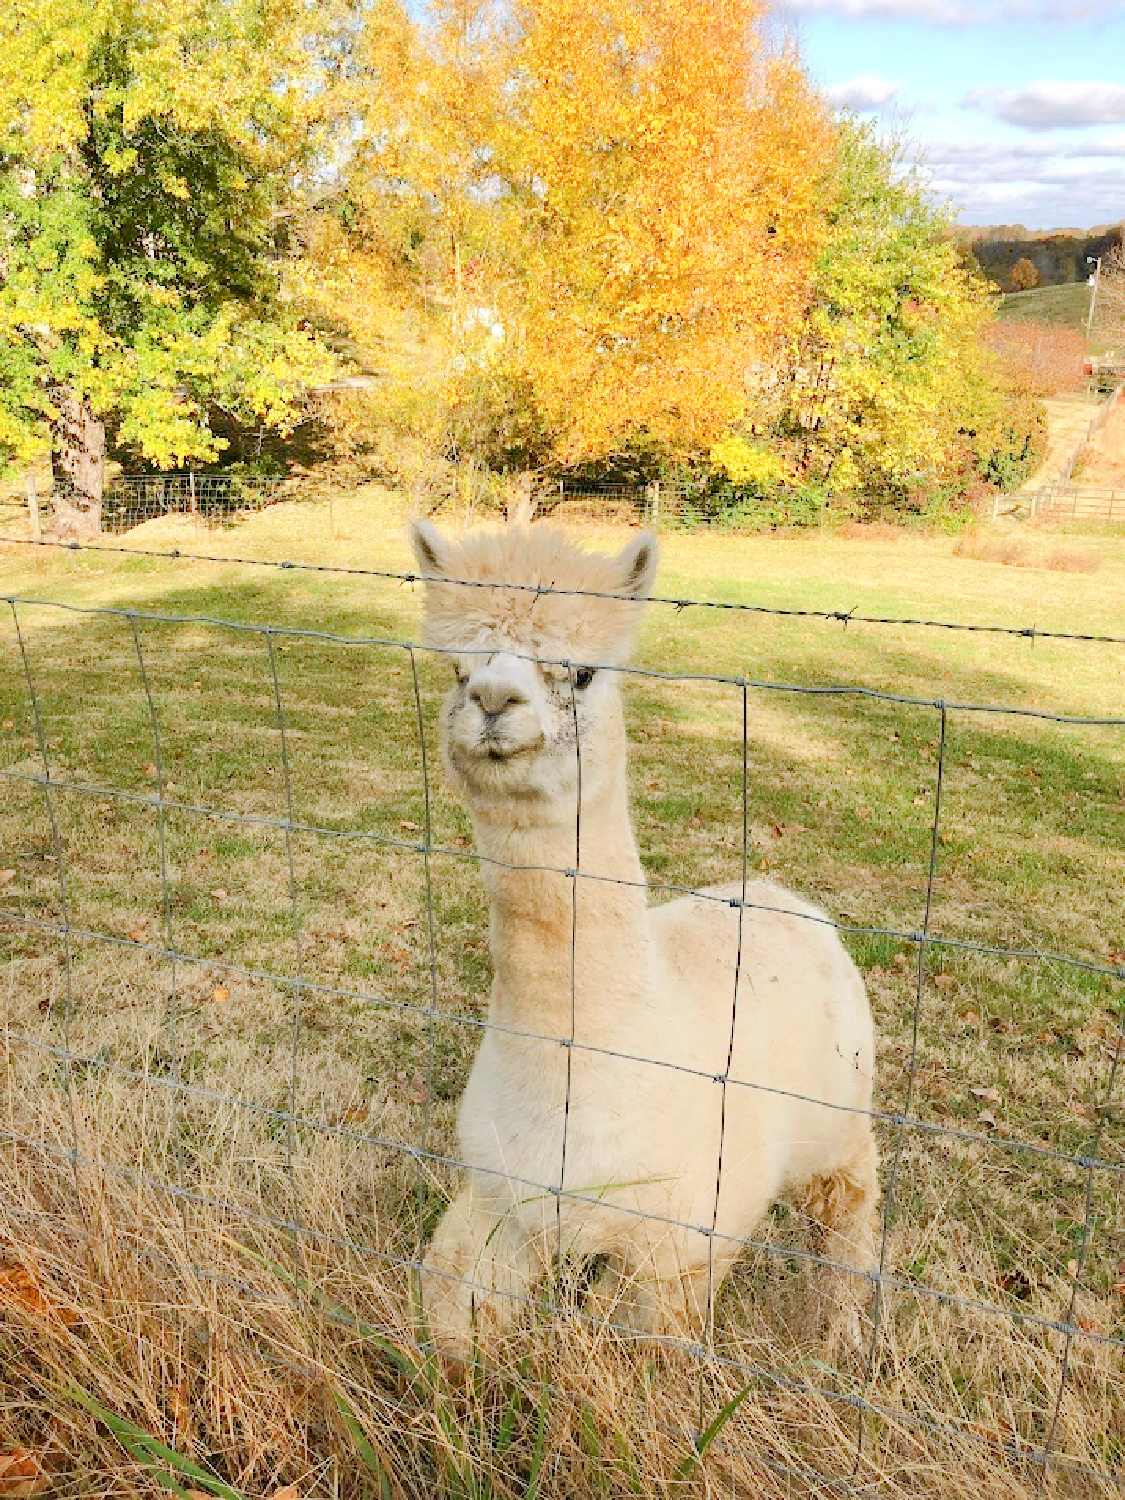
(1058, 306)
(252, 1318)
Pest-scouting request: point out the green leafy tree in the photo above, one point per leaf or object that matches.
(144, 148)
(892, 384)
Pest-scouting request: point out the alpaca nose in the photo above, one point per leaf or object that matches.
(493, 692)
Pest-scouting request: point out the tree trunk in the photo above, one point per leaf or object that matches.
(78, 465)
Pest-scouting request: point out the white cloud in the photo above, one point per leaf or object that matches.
(1040, 181)
(1051, 103)
(958, 12)
(942, 12)
(866, 92)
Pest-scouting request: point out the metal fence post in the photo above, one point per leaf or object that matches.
(33, 508)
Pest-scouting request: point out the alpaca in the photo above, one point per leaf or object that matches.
(533, 735)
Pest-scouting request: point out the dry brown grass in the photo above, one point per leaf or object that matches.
(872, 531)
(1016, 554)
(170, 1291)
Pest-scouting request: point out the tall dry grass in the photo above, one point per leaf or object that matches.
(273, 1356)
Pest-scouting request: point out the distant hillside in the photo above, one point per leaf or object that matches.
(1058, 256)
(1056, 306)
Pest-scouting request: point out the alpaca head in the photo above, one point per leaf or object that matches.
(530, 711)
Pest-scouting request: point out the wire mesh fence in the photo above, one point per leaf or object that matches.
(247, 960)
(129, 500)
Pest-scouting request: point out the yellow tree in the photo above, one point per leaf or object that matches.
(144, 148)
(664, 174)
(632, 189)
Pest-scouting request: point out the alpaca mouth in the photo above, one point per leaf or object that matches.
(495, 747)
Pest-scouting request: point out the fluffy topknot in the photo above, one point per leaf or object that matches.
(564, 625)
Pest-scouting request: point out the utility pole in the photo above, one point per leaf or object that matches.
(1096, 262)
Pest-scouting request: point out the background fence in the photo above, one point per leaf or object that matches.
(1063, 497)
(131, 499)
(246, 978)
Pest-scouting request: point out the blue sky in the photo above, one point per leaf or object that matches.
(1017, 107)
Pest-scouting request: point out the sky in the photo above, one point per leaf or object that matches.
(1016, 107)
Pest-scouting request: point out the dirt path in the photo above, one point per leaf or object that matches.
(1105, 462)
(1068, 417)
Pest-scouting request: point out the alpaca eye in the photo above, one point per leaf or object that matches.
(583, 677)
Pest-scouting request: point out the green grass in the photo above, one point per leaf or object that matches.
(1057, 306)
(840, 806)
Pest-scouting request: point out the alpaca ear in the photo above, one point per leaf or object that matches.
(430, 548)
(636, 565)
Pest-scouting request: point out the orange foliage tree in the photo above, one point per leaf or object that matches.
(626, 197)
(664, 173)
(1023, 275)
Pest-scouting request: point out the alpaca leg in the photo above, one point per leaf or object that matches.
(660, 1289)
(843, 1205)
(476, 1276)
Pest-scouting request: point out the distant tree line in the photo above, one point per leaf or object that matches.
(1008, 254)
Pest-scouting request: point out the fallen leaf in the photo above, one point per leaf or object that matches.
(900, 960)
(920, 801)
(970, 1018)
(138, 935)
(218, 894)
(21, 1475)
(987, 1118)
(220, 993)
(1072, 1269)
(944, 981)
(290, 1492)
(7, 876)
(406, 823)
(993, 1096)
(149, 768)
(22, 1289)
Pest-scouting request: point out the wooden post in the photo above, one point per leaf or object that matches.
(191, 492)
(33, 508)
(655, 500)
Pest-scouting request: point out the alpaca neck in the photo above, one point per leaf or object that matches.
(566, 949)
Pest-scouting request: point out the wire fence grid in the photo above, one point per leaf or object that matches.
(129, 500)
(191, 833)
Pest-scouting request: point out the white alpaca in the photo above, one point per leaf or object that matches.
(590, 959)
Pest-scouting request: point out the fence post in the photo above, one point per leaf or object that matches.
(191, 492)
(33, 508)
(655, 501)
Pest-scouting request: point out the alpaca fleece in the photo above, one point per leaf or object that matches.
(657, 1163)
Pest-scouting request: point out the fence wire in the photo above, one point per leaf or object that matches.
(288, 735)
(843, 617)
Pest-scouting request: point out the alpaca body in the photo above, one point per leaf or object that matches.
(643, 1139)
(601, 1101)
